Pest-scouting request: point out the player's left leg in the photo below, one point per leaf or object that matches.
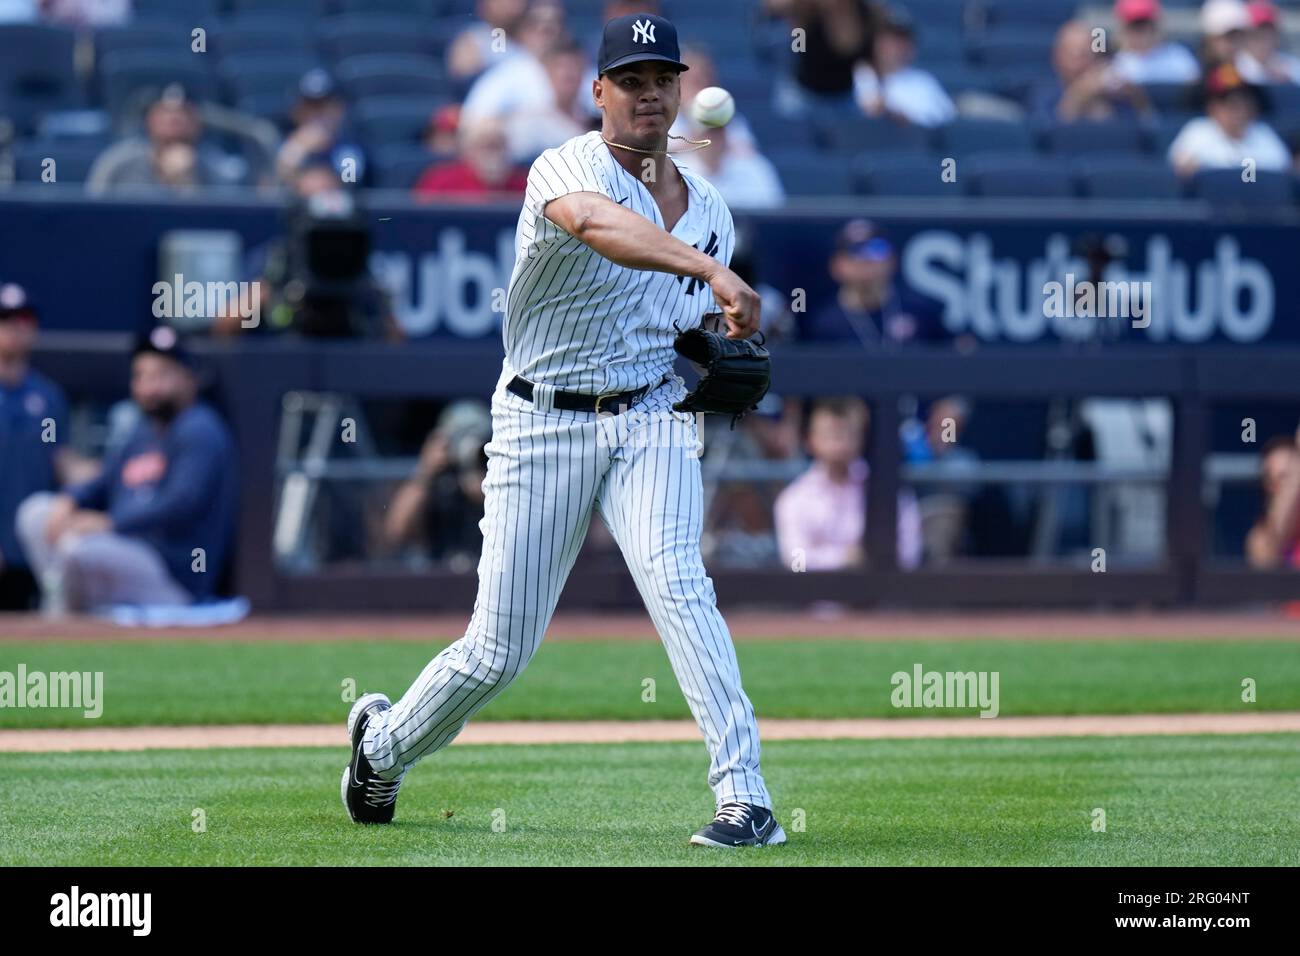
(653, 502)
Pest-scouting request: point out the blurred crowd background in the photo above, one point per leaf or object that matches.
(327, 109)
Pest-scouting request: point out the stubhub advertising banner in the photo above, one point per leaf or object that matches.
(91, 265)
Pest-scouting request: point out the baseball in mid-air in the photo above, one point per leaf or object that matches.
(713, 107)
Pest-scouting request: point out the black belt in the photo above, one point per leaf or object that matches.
(578, 401)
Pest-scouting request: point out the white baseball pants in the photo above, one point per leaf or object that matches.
(547, 470)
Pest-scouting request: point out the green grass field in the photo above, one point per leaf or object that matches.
(1213, 800)
(217, 683)
(1168, 801)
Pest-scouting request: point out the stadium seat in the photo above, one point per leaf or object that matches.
(1073, 139)
(1166, 129)
(398, 166)
(424, 8)
(350, 34)
(1170, 98)
(37, 71)
(948, 16)
(1225, 187)
(126, 75)
(966, 137)
(275, 106)
(166, 37)
(1284, 100)
(1049, 13)
(187, 11)
(305, 9)
(81, 126)
(854, 135)
(395, 119)
(902, 174)
(258, 35)
(1021, 47)
(805, 172)
(263, 72)
(1125, 177)
(1016, 176)
(72, 160)
(397, 74)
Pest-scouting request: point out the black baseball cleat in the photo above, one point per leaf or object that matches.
(741, 824)
(367, 797)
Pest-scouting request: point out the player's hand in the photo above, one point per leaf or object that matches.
(740, 304)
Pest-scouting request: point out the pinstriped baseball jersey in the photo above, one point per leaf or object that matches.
(574, 319)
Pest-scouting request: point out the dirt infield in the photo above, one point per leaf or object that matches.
(745, 625)
(609, 731)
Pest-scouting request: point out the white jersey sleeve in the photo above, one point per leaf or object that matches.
(557, 172)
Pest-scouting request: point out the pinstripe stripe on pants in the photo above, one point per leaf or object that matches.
(547, 472)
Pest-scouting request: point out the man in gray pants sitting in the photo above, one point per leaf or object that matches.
(155, 527)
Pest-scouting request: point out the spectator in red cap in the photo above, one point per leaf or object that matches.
(482, 169)
(1144, 57)
(1262, 59)
(1231, 131)
(440, 134)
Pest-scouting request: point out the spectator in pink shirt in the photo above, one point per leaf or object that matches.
(821, 516)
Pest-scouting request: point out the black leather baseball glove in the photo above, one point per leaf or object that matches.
(734, 373)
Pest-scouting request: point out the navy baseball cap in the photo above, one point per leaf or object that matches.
(862, 239)
(637, 37)
(163, 340)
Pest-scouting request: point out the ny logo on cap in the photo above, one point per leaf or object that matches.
(643, 31)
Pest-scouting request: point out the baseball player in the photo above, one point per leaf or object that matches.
(618, 249)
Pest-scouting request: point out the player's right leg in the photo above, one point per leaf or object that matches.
(543, 472)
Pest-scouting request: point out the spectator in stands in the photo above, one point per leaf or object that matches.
(529, 132)
(945, 508)
(440, 134)
(1262, 59)
(169, 155)
(87, 13)
(869, 308)
(821, 516)
(1085, 86)
(1143, 56)
(482, 169)
(484, 42)
(837, 36)
(320, 128)
(519, 82)
(1224, 24)
(155, 527)
(1274, 540)
(1230, 132)
(888, 84)
(441, 504)
(35, 454)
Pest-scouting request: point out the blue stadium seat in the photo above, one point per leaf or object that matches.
(805, 172)
(169, 37)
(37, 71)
(81, 126)
(275, 106)
(1126, 177)
(424, 8)
(125, 76)
(1166, 129)
(858, 134)
(966, 137)
(258, 35)
(356, 34)
(770, 128)
(1113, 136)
(1014, 46)
(1170, 98)
(1225, 187)
(395, 119)
(1284, 99)
(192, 12)
(1015, 176)
(902, 174)
(399, 74)
(399, 165)
(1050, 13)
(72, 160)
(948, 16)
(305, 9)
(265, 72)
